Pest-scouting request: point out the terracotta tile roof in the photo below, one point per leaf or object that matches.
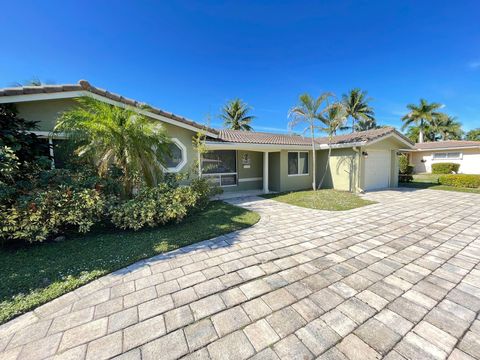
(447, 144)
(252, 137)
(84, 85)
(363, 136)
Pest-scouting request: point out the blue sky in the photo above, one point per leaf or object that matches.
(190, 57)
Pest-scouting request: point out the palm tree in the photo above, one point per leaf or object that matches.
(333, 120)
(366, 124)
(114, 136)
(309, 111)
(473, 135)
(422, 115)
(357, 107)
(235, 115)
(447, 127)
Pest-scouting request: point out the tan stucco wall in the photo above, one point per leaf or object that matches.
(342, 169)
(274, 171)
(45, 112)
(298, 182)
(469, 164)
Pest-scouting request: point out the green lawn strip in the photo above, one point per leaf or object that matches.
(32, 275)
(436, 186)
(321, 199)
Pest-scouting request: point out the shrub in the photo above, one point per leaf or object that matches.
(205, 189)
(445, 168)
(153, 206)
(405, 169)
(49, 213)
(460, 180)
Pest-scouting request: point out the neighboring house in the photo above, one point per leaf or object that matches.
(465, 153)
(236, 160)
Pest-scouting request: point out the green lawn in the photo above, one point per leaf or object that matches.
(430, 181)
(321, 199)
(436, 186)
(35, 274)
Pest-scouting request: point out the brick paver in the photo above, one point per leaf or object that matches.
(399, 279)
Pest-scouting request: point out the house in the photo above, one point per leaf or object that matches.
(236, 160)
(465, 153)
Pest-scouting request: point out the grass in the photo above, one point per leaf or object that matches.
(435, 186)
(321, 199)
(32, 275)
(430, 181)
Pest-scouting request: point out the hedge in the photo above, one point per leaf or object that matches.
(460, 180)
(445, 168)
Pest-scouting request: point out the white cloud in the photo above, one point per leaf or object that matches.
(474, 65)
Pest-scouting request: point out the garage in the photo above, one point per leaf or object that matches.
(378, 164)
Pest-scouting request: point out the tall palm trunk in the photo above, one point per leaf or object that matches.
(327, 165)
(353, 124)
(420, 134)
(314, 180)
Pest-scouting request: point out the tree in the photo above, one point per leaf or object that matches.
(357, 108)
(309, 111)
(120, 137)
(333, 120)
(447, 127)
(235, 115)
(422, 115)
(366, 124)
(473, 135)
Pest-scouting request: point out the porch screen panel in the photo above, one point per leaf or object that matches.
(219, 162)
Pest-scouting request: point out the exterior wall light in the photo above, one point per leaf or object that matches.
(364, 154)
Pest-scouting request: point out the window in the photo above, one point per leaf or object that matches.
(298, 163)
(447, 155)
(220, 166)
(177, 158)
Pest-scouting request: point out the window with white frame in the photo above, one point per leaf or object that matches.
(447, 155)
(220, 166)
(297, 163)
(176, 159)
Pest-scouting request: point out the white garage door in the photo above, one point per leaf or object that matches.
(377, 169)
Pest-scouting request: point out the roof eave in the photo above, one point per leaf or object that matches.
(79, 93)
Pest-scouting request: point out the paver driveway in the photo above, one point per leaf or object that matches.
(398, 279)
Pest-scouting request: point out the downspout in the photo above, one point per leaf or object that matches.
(358, 151)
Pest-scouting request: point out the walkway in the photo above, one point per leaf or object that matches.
(398, 279)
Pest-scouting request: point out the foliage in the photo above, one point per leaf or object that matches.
(152, 207)
(446, 127)
(422, 116)
(445, 168)
(204, 190)
(357, 107)
(112, 136)
(405, 169)
(161, 204)
(51, 212)
(16, 133)
(325, 199)
(473, 135)
(309, 111)
(33, 275)
(460, 180)
(235, 115)
(364, 125)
